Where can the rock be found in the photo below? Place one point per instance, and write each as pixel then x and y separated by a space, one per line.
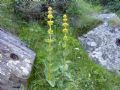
pixel 92 44
pixel 103 44
pixel 16 62
pixel 105 17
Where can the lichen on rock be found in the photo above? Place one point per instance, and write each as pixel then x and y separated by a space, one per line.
pixel 16 62
pixel 102 43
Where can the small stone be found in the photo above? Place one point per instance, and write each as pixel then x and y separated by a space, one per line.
pixel 93 44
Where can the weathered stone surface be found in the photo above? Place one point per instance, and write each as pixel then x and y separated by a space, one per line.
pixel 105 17
pixel 15 62
pixel 103 44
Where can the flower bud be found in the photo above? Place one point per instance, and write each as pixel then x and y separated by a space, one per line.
pixel 50 16
pixel 50 23
pixel 65 30
pixel 50 9
pixel 50 31
pixel 65 20
pixel 49 12
pixel 65 16
pixel 65 24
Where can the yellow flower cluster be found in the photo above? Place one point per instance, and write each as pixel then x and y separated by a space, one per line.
pixel 50 22
pixel 65 25
pixel 50 40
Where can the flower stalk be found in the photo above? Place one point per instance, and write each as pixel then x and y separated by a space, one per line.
pixel 50 41
pixel 65 37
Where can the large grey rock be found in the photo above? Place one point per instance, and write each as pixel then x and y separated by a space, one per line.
pixel 16 62
pixel 103 44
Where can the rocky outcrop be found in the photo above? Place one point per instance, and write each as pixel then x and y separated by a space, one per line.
pixel 16 61
pixel 103 43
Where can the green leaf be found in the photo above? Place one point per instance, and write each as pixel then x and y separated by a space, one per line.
pixel 51 82
pixel 66 67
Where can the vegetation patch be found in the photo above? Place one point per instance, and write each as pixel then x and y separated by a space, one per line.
pixel 109 5
pixel 114 22
pixel 85 74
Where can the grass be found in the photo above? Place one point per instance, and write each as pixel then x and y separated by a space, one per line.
pixel 114 22
pixel 81 14
pixel 85 73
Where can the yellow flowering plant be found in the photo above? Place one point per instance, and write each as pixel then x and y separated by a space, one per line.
pixel 49 59
pixel 56 66
pixel 64 67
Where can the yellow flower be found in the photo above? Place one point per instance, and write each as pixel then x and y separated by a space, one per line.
pixel 50 31
pixel 65 30
pixel 65 20
pixel 65 24
pixel 49 12
pixel 50 9
pixel 50 23
pixel 50 16
pixel 65 16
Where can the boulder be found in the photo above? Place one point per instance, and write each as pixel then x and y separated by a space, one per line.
pixel 16 62
pixel 103 43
